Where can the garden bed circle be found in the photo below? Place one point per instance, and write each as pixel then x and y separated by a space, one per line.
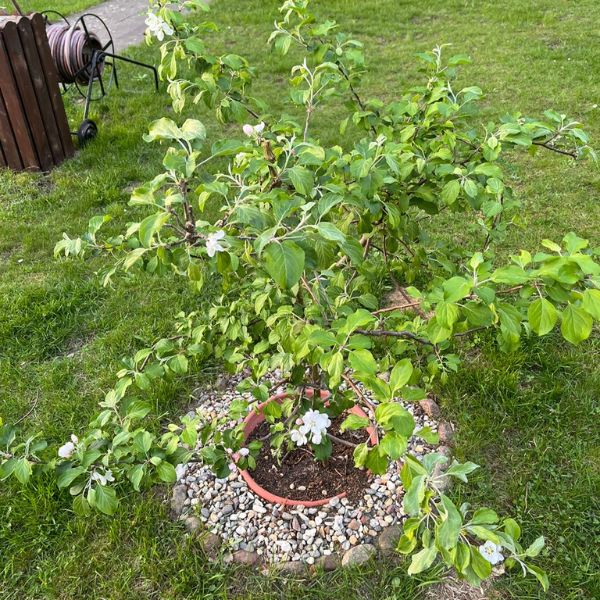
pixel 254 420
pixel 235 524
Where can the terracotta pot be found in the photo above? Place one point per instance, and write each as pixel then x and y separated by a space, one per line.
pixel 253 420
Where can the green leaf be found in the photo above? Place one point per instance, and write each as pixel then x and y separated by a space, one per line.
pixel 422 560
pixel 163 129
pixel 447 314
pixel 136 474
pixel 539 574
pixel 353 250
pixel 66 477
pixel 392 415
pixel 536 547
pixel 456 288
pixel 488 169
pixel 377 462
pixel 574 243
pixel 22 470
pixel 470 188
pixel 428 435
pixel 103 499
pixel 81 506
pixel 362 362
pixel 193 129
pixel 356 320
pixel 591 303
pixel 394 445
pixel 401 374
pixel 133 257
pixel 150 226
pixel 511 275
pixel 7 468
pixel 414 496
pixel 166 472
pixel 322 338
pixel 302 179
pixel 484 516
pixel 354 422
pixel 576 324
pixel 226 147
pixel 335 369
pixel 360 455
pixel 511 528
pixel 449 530
pixel 450 191
pixel 461 470
pixel 284 262
pixel 330 232
pixel 542 316
pixel 482 568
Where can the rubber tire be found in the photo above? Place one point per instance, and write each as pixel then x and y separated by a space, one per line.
pixel 87 131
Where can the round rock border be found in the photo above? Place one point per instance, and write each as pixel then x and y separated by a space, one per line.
pixel 383 545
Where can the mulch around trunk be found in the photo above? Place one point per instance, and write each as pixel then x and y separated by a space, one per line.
pixel 299 476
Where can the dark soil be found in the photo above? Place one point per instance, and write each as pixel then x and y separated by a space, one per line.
pixel 312 479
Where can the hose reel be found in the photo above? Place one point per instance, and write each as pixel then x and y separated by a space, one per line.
pixel 84 54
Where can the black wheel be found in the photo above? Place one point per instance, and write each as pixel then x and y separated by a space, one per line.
pixel 87 131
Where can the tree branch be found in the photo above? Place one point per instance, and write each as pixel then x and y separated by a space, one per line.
pixel 397 334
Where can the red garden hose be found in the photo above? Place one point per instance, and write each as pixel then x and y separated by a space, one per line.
pixel 72 50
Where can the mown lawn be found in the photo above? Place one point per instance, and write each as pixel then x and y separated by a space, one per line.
pixel 531 420
pixel 65 7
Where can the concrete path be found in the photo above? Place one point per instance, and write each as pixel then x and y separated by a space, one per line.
pixel 124 18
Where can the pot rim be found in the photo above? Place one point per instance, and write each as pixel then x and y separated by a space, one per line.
pixel 254 419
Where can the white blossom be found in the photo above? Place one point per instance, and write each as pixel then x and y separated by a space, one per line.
pixel 313 426
pixel 66 450
pixel 232 467
pixel 316 421
pixel 244 452
pixel 103 478
pixel 491 552
pixel 298 437
pixel 253 131
pixel 212 243
pixel 158 27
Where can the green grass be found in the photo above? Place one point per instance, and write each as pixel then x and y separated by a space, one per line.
pixel 66 7
pixel 530 420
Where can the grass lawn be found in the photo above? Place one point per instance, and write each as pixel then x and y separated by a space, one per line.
pixel 66 7
pixel 530 421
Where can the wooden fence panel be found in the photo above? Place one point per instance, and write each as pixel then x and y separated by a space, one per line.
pixel 34 131
pixel 14 108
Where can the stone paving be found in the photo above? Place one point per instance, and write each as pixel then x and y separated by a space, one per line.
pixel 124 18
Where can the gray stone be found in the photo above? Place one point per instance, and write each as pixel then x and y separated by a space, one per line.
pixel 193 524
pixel 388 539
pixel 446 432
pixel 244 557
pixel 358 555
pixel 178 499
pixel 211 544
pixel 443 483
pixel 292 568
pixel 328 563
pixel 430 408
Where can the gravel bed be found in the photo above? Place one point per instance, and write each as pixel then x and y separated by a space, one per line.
pixel 279 534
